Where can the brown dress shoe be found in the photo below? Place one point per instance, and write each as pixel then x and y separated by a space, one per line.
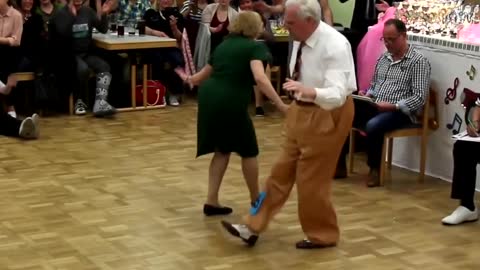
pixel 341 171
pixel 373 178
pixel 306 244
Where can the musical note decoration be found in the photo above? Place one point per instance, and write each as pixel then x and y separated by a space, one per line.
pixel 471 73
pixel 451 93
pixel 456 124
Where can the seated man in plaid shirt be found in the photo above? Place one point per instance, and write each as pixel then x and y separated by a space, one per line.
pixel 399 89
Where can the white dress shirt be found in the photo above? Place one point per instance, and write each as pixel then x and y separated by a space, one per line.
pixel 327 66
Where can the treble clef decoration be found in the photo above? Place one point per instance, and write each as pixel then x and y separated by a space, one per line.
pixel 451 93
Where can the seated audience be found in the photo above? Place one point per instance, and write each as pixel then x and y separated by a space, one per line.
pixel 218 16
pixel 465 161
pixel 192 12
pixel 132 10
pixel 31 48
pixel 267 36
pixel 167 21
pixel 11 27
pixel 276 8
pixel 46 10
pixel 399 88
pixel 71 31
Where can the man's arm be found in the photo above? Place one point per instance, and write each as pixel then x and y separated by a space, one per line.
pixel 326 12
pixel 420 86
pixel 339 80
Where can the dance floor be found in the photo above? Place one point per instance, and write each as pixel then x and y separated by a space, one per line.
pixel 128 194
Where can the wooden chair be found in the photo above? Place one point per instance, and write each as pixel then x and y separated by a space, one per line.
pixel 25 76
pixel 30 76
pixel 427 125
pixel 276 72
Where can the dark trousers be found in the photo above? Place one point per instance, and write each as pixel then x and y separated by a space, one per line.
pixel 174 58
pixel 465 160
pixel 375 124
pixel 9 64
pixel 9 126
pixel 85 63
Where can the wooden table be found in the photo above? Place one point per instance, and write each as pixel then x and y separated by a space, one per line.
pixel 281 37
pixel 112 42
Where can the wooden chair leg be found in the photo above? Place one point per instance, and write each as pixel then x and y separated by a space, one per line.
pixel 278 78
pixel 70 104
pixel 382 161
pixel 351 151
pixel 390 151
pixel 423 158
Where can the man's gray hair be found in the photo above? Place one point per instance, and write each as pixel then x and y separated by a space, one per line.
pixel 307 8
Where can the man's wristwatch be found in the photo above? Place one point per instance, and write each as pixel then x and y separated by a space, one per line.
pixel 397 107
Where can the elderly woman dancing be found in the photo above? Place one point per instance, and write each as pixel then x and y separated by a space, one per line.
pixel 224 125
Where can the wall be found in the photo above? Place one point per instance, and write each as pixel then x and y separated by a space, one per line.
pixel 447 64
pixel 342 12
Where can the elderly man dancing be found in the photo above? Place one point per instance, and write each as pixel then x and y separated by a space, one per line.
pixel 317 124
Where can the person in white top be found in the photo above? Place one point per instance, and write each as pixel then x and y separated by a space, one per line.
pixel 317 124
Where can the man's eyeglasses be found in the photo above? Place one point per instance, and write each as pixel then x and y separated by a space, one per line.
pixel 389 40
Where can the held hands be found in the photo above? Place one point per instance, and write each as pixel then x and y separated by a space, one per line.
pixel 299 90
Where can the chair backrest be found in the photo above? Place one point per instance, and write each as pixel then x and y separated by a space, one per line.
pixel 429 116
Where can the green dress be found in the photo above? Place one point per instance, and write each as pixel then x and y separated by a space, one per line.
pixel 223 123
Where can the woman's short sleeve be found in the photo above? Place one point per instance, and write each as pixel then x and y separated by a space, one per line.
pixel 261 52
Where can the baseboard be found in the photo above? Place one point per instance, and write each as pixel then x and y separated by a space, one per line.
pixel 426 173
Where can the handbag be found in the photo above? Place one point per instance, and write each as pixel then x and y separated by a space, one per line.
pixel 156 92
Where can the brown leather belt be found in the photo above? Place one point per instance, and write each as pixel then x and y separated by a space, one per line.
pixel 303 103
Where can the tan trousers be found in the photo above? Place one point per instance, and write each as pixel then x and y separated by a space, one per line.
pixel 314 140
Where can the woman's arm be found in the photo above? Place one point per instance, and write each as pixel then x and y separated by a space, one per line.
pixel 200 76
pixel 265 85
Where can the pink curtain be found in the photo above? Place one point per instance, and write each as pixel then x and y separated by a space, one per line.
pixel 470 34
pixel 369 50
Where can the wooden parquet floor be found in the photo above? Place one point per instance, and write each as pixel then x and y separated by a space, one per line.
pixel 128 194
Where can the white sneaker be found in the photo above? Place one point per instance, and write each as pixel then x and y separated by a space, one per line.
pixel 12 114
pixel 241 231
pixel 173 101
pixel 461 215
pixel 36 122
pixel 80 107
pixel 27 129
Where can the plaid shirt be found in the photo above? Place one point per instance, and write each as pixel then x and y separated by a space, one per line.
pixel 132 11
pixel 405 82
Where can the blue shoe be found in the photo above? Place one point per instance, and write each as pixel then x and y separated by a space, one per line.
pixel 258 203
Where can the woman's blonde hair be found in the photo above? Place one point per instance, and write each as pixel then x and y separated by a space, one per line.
pixel 248 24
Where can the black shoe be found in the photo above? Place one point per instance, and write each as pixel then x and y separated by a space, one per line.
pixel 341 171
pixel 210 210
pixel 259 111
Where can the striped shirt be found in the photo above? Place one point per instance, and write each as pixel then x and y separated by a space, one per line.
pixel 405 82
pixel 196 16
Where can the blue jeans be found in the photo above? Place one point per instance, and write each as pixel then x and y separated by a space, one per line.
pixel 376 128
